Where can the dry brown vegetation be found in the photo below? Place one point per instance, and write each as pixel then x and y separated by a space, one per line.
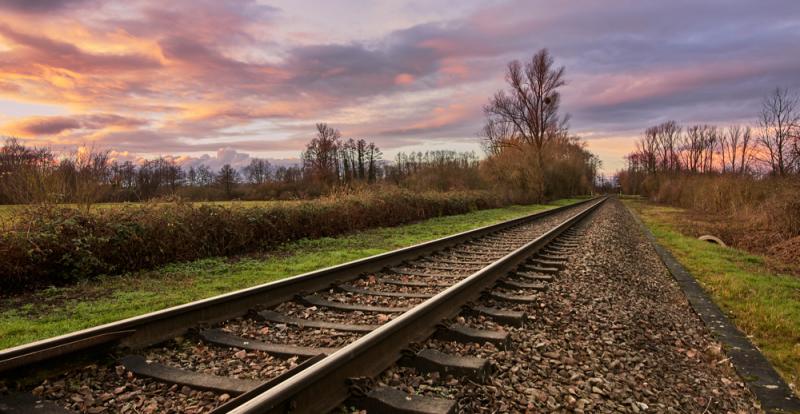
pixel 532 155
pixel 740 183
pixel 54 245
pixel 758 215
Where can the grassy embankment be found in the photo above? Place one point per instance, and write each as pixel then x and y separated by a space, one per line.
pixel 57 311
pixel 763 304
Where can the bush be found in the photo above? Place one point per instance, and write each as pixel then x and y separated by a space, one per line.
pixel 55 245
pixel 749 212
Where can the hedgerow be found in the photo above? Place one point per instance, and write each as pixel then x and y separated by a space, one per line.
pixel 52 245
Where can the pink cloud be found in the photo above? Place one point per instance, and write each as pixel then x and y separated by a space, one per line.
pixel 404 79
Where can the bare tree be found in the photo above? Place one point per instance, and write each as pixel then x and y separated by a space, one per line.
pixel 528 111
pixel 320 159
pixel 745 156
pixel 373 154
pixel 24 173
pixel 258 171
pixel 648 148
pixel 697 150
pixel 227 178
pixel 734 146
pixel 92 173
pixel 668 138
pixel 778 123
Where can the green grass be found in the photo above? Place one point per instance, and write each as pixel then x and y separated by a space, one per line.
pixel 57 311
pixel 763 304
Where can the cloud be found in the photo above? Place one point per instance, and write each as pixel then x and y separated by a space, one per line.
pixel 43 126
pixel 39 6
pixel 54 125
pixel 150 77
pixel 230 156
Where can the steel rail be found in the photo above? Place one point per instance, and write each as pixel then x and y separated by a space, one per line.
pixel 154 327
pixel 324 385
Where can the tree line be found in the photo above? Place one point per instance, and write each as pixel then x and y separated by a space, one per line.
pixel 34 175
pixel 770 148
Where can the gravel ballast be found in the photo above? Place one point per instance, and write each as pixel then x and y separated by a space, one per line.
pixel 612 333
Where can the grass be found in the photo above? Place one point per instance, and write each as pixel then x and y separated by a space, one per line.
pixel 763 304
pixel 57 311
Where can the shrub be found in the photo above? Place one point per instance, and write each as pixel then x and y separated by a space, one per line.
pixel 751 213
pixel 55 245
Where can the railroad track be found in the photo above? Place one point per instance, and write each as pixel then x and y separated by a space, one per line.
pixel 306 343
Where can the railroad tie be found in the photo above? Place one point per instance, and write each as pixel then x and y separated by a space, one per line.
pixel 413 283
pixel 548 263
pixel 420 273
pixel 220 337
pixel 539 269
pixel 458 262
pixel 563 245
pixel 534 276
pixel 435 266
pixel 264 386
pixel 503 316
pixel 352 289
pixel 430 360
pixel 513 298
pixel 465 334
pixel 276 317
pixel 388 400
pixel 314 300
pixel 140 366
pixel 557 258
pixel 513 284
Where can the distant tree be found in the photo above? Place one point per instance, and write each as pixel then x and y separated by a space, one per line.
pixel 227 178
pixel 744 154
pixel 258 171
pixel 321 157
pixel 361 157
pixel 288 175
pixel 24 172
pixel 205 177
pixel 92 172
pixel 668 136
pixel 734 146
pixel 778 124
pixel 123 175
pixel 373 155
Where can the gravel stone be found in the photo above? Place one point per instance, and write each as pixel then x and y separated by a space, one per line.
pixel 613 333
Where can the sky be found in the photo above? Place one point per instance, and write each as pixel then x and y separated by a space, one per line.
pixel 223 81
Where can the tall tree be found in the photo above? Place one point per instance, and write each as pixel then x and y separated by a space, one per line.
pixel 528 111
pixel 778 123
pixel 258 171
pixel 227 178
pixel 320 159
pixel 373 155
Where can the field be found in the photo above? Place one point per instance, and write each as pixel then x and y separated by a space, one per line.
pixel 762 301
pixel 55 311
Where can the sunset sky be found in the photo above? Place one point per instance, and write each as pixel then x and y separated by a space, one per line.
pixel 223 81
